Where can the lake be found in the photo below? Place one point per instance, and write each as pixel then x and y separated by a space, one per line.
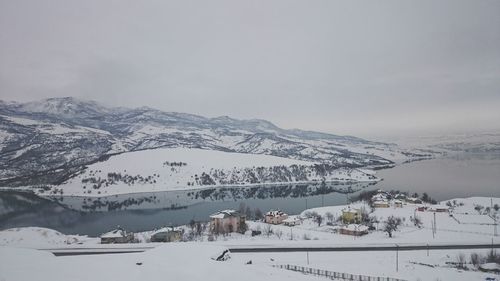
pixel 457 175
pixel 451 176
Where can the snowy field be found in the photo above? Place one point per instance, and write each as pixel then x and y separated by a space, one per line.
pixel 413 265
pixel 159 170
pixel 167 262
pixel 193 261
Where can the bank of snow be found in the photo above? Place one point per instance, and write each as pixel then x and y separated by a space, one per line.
pixel 187 168
pixel 39 237
pixel 167 262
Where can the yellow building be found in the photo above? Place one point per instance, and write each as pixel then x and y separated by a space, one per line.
pixel 351 215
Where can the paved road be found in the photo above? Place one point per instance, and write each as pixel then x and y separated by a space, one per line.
pixel 96 251
pixel 390 247
pixel 274 249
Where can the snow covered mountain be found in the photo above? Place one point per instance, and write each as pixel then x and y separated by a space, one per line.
pixel 51 141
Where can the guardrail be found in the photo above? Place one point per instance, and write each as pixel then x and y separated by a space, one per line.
pixel 334 274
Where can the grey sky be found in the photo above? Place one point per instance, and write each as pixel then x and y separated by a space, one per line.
pixel 368 68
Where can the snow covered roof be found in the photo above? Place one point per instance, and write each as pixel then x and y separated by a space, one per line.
pixel 225 214
pixel 292 219
pixel 443 207
pixel 379 196
pixel 355 227
pixel 277 213
pixel 166 229
pixel 117 233
pixel 349 210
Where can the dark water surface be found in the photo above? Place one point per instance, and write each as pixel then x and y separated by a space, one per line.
pixel 146 211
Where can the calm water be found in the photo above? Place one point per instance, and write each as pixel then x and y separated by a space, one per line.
pixel 448 177
pixel 146 211
pixel 452 176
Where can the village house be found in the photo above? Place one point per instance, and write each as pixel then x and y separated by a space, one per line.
pixel 381 196
pixel 292 221
pixel 398 204
pixel 354 229
pixel 167 234
pixel 421 208
pixel 414 200
pixel 351 215
pixel 439 208
pixel 119 235
pixel 275 217
pixel 227 221
pixel 381 204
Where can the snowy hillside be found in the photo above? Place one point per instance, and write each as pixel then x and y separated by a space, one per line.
pixel 50 141
pixel 184 168
pixel 38 237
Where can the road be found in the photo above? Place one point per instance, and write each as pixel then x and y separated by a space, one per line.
pixel 389 247
pixel 275 249
pixel 96 251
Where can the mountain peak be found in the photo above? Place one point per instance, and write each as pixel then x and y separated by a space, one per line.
pixel 65 106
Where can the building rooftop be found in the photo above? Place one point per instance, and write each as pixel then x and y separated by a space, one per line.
pixel 225 214
pixel 117 233
pixel 355 227
pixel 277 213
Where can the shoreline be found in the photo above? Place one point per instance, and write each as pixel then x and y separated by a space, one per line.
pixel 201 188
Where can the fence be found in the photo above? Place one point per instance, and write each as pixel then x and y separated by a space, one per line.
pixel 334 274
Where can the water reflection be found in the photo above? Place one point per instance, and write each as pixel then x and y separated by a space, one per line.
pixel 144 211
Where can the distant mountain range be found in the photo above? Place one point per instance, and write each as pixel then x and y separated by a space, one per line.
pixel 51 141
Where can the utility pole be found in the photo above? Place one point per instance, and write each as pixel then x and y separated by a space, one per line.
pixel 306 203
pixel 397 257
pixel 495 231
pixel 322 200
pixel 291 233
pixel 435 224
pixel 307 257
pixel 432 227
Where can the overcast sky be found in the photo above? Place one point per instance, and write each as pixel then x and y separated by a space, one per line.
pixel 368 69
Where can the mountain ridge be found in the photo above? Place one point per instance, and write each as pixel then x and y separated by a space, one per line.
pixel 51 140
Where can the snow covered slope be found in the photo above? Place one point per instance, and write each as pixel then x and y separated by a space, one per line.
pixel 52 140
pixel 189 168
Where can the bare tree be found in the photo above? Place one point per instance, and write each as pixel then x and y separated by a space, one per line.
pixel 475 259
pixel 267 230
pixel 248 213
pixel 318 219
pixel 461 261
pixel 329 217
pixel 278 233
pixel 391 224
pixel 417 221
pixel 478 208
pixel 492 256
pixel 258 214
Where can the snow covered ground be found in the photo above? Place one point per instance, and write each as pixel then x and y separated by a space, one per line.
pixel 167 262
pixel 186 168
pixel 192 260
pixel 38 237
pixel 413 265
